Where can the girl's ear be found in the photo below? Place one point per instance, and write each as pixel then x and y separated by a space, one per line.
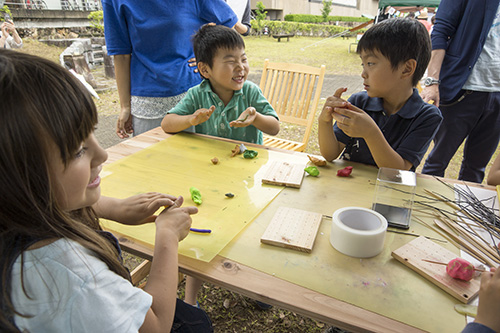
pixel 204 69
pixel 408 68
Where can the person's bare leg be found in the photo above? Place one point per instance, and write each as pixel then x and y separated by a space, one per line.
pixel 193 285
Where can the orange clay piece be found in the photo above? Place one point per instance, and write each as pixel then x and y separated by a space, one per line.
pixel 215 160
pixel 235 151
pixel 461 269
pixel 316 161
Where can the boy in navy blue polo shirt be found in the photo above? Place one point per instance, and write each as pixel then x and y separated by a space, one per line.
pixel 388 124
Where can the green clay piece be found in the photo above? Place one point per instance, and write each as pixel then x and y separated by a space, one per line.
pixel 466 309
pixel 250 153
pixel 312 170
pixel 195 195
pixel 242 120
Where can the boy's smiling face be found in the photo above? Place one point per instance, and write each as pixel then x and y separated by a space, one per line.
pixel 379 77
pixel 228 72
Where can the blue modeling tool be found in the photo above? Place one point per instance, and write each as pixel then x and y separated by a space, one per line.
pixel 201 231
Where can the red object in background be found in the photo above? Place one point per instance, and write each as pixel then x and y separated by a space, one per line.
pixel 345 172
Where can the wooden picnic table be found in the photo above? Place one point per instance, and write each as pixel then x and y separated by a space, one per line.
pixel 377 294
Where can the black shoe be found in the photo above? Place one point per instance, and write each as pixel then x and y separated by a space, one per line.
pixel 263 306
pixel 333 329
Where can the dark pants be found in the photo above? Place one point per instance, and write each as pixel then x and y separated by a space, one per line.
pixel 476 119
pixel 190 319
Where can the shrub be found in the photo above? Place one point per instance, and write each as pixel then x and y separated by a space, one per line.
pixel 260 17
pixel 308 18
pixel 97 20
pixel 327 8
pixel 4 10
pixel 301 29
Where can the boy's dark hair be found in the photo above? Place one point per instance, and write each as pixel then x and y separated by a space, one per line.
pixel 211 38
pixel 399 40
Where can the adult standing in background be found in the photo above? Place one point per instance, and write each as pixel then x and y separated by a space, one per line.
pixel 242 9
pixel 433 21
pixel 151 44
pixel 423 18
pixel 464 81
pixel 7 40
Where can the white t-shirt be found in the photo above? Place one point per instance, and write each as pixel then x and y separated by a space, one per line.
pixel 71 290
pixel 485 75
pixel 10 43
pixel 238 7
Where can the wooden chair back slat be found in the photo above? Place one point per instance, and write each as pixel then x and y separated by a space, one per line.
pixel 294 91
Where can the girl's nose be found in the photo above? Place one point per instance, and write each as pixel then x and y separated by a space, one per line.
pixel 100 155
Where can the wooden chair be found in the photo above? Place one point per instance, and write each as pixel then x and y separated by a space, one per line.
pixel 294 91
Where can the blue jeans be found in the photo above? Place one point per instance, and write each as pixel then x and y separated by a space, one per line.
pixel 474 118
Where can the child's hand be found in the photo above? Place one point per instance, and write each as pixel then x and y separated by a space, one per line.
pixel 331 103
pixel 176 219
pixel 354 122
pixel 137 209
pixel 201 115
pixel 489 300
pixel 245 119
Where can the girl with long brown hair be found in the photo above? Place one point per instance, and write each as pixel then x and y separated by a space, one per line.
pixel 59 270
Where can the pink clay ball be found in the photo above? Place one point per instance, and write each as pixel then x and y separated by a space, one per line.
pixel 461 269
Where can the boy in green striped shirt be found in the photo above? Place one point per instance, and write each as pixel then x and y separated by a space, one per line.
pixel 225 104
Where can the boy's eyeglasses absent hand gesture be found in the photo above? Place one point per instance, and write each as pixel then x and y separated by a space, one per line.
pixel 352 120
pixel 201 115
pixel 245 119
pixel 332 102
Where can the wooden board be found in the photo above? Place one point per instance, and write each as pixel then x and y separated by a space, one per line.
pixel 293 228
pixel 284 174
pixel 412 254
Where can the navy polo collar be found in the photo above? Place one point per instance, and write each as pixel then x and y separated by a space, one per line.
pixel 409 110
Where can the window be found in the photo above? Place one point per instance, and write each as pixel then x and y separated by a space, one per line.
pixel 348 3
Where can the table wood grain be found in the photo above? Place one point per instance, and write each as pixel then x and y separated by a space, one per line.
pixel 255 284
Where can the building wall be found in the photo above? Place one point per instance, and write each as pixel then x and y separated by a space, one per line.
pixel 277 9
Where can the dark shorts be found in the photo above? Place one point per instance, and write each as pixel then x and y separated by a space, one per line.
pixel 190 319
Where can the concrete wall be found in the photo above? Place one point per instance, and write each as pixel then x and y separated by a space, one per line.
pixel 277 9
pixel 29 19
pixel 54 4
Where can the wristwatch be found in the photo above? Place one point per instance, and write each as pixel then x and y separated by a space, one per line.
pixel 429 81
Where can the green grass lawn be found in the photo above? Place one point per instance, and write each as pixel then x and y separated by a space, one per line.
pixel 331 52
